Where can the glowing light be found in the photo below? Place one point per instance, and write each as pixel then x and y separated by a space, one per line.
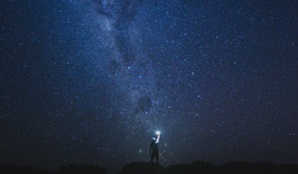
pixel 157 132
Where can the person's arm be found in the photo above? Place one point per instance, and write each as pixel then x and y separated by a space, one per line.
pixel 157 140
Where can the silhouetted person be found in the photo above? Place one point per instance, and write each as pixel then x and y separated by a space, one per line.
pixel 154 148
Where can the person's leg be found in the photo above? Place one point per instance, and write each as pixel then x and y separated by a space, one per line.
pixel 157 158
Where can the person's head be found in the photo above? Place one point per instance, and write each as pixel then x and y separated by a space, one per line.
pixel 153 139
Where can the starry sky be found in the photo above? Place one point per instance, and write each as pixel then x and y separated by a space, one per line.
pixel 90 81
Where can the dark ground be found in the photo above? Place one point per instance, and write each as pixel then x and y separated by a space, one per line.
pixel 198 167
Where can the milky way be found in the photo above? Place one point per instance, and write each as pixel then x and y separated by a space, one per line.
pixel 128 65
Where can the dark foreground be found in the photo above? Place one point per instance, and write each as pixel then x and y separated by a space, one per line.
pixel 198 167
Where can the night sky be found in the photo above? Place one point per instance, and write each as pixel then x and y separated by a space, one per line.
pixel 90 81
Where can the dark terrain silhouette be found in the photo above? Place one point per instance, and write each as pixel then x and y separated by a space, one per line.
pixel 81 169
pixel 202 167
pixel 197 167
pixel 12 169
pixel 64 169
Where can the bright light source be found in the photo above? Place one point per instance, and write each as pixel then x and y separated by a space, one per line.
pixel 157 132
